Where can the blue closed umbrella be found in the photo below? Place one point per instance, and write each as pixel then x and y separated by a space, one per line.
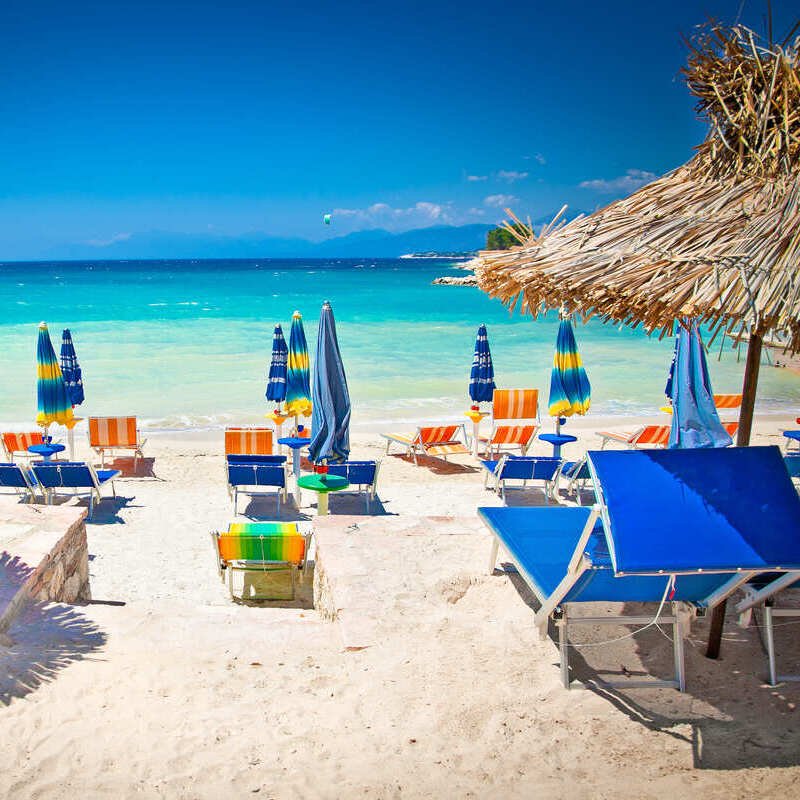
pixel 276 380
pixel 481 376
pixel 695 421
pixel 330 419
pixel 70 369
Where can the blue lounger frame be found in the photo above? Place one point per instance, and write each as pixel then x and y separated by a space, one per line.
pixel 250 478
pixel 710 539
pixel 522 468
pixel 80 478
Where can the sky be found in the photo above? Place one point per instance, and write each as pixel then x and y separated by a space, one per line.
pixel 240 117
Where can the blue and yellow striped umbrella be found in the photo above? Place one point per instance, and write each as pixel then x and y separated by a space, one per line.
pixel 298 388
pixel 53 402
pixel 570 392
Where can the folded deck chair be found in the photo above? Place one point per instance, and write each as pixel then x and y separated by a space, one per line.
pixel 252 479
pixel 522 468
pixel 691 529
pixel 577 475
pixel 515 421
pixel 16 444
pixel 361 475
pixel 80 478
pixel 433 440
pixel 18 478
pixel 646 436
pixel 248 441
pixel 107 434
pixel 251 548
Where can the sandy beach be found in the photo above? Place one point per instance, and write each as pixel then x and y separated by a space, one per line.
pixel 163 687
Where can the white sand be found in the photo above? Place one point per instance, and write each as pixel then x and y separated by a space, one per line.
pixel 180 693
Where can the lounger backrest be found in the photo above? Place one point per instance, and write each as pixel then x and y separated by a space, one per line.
pixel 732 428
pixel 236 458
pixel 728 400
pixel 257 475
pixel 360 473
pixel 248 441
pixel 71 476
pixel 792 462
pixel 437 433
pixel 654 435
pixel 112 432
pixel 515 404
pixel 539 468
pixel 262 541
pixel 20 442
pixel 11 476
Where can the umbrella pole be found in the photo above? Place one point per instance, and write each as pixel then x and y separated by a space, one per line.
pixel 749 387
pixel 71 442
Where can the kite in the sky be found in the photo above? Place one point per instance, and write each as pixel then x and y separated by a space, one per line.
pixel 327 219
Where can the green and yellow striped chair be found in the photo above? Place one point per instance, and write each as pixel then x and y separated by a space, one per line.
pixel 264 556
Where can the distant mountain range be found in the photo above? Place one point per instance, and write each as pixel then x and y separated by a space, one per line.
pixel 375 243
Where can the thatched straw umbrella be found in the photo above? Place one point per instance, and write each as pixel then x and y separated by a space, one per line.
pixel 717 239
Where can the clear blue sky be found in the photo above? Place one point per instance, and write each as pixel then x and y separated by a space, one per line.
pixel 234 117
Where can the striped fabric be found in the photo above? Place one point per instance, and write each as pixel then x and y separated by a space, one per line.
pixel 298 380
pixel 113 432
pixel 728 400
pixel 437 434
pixel 248 441
pixel 732 428
pixel 446 449
pixel 570 392
pixel 515 404
pixel 653 435
pixel 52 401
pixel 262 541
pixel 20 442
pixel 513 434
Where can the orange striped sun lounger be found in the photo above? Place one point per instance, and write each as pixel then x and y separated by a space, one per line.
pixel 647 436
pixel 107 434
pixel 17 444
pixel 433 440
pixel 248 441
pixel 517 405
pixel 727 401
pixel 247 550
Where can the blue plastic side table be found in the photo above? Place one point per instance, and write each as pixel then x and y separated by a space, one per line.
pixel 557 439
pixel 46 451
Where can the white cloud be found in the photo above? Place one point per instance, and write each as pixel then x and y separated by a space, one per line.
pixel 117 237
pixel 474 178
pixel 511 175
pixel 476 212
pixel 384 215
pixel 500 200
pixel 538 158
pixel 629 182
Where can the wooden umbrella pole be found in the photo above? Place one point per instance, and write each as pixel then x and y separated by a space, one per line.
pixel 749 387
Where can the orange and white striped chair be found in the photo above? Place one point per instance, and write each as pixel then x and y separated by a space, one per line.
pixel 107 434
pixel 17 444
pixel 248 441
pixel 725 401
pixel 646 436
pixel 516 405
pixel 433 440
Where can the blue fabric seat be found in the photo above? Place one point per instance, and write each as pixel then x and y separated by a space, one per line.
pixel 75 476
pixel 363 475
pixel 251 478
pixel 20 479
pixel 692 528
pixel 522 468
pixel 577 475
pixel 233 458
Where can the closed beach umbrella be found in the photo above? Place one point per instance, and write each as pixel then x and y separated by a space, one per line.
pixel 695 421
pixel 481 376
pixel 53 403
pixel 330 422
pixel 298 391
pixel 570 391
pixel 276 380
pixel 71 370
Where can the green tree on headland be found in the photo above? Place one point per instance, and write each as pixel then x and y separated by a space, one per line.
pixel 501 239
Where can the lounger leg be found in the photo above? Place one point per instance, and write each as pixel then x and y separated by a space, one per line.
pixel 235 502
pixel 91 505
pixel 563 648
pixel 278 498
pixel 677 645
pixel 770 635
pixel 493 554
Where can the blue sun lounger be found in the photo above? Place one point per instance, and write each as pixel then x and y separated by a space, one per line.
pixel 670 527
pixel 81 478
pixel 20 479
pixel 251 478
pixel 522 468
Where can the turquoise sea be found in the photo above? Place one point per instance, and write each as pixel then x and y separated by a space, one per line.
pixel 187 343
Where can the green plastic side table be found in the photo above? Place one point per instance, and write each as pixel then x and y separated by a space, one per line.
pixel 322 485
